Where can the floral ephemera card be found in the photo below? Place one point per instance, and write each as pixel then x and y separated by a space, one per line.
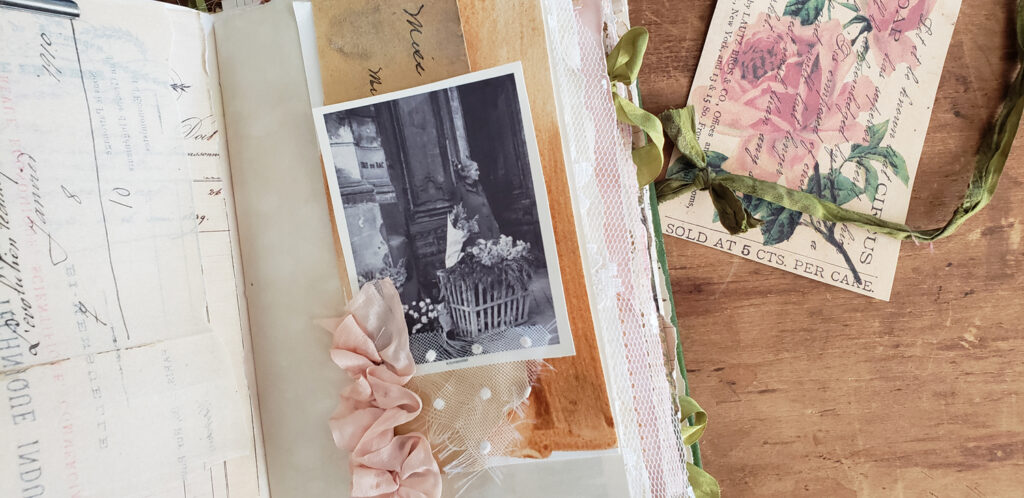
pixel 827 97
pixel 440 188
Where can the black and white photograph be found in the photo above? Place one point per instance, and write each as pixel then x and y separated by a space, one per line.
pixel 440 188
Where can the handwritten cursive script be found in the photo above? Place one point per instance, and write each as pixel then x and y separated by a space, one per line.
pixel 375 80
pixel 199 129
pixel 47 56
pixel 417 29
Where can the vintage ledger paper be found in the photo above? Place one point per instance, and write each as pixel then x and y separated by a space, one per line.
pixel 119 296
pixel 831 98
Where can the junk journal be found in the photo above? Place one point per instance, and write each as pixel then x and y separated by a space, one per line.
pixel 168 241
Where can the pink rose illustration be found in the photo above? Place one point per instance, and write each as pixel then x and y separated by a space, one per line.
pixel 781 88
pixel 893 24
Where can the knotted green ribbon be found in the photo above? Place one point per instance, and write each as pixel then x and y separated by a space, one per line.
pixel 624 63
pixel 704 486
pixel 693 173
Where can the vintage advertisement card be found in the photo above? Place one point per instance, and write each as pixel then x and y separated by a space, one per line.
pixel 831 98
pixel 440 188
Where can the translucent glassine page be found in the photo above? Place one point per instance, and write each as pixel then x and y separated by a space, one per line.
pixel 99 242
pixel 594 474
pixel 194 81
pixel 288 253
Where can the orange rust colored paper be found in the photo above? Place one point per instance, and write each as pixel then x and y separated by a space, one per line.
pixel 570 405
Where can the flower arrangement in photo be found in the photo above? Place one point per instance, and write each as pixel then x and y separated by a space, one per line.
pixel 423 316
pixel 397 273
pixel 501 259
pixel 461 220
pixel 460 228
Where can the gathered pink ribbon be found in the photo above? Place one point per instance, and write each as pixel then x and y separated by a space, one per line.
pixel 372 345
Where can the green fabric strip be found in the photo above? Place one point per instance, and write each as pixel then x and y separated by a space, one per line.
pixel 659 243
pixel 704 486
pixel 690 408
pixel 691 172
pixel 624 63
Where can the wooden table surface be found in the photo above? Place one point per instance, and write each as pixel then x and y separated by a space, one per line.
pixel 815 391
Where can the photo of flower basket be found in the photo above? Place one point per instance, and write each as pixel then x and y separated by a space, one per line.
pixel 488 288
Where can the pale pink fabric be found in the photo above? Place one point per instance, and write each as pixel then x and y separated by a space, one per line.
pixel 372 345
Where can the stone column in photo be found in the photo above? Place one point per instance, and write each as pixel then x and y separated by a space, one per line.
pixel 359 200
pixel 373 169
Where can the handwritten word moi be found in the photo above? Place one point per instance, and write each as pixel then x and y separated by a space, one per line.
pixel 417 29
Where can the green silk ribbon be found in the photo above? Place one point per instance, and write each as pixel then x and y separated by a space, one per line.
pixel 624 63
pixel 704 486
pixel 693 173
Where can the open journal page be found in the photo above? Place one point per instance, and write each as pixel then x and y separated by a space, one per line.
pixel 114 384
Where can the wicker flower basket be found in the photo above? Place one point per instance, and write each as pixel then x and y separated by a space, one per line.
pixel 481 305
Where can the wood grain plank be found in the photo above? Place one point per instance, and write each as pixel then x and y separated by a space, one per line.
pixel 813 391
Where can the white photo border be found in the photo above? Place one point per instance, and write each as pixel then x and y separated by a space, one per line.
pixel 565 346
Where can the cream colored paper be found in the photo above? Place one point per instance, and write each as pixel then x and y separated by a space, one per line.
pixel 783 85
pixel 98 230
pixel 120 423
pixel 120 417
pixel 291 273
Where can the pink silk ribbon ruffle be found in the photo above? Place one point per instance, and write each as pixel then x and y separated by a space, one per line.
pixel 372 345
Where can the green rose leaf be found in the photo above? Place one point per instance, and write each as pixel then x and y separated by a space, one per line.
pixel 885 155
pixel 860 18
pixel 757 206
pixel 897 164
pixel 876 133
pixel 716 160
pixel 870 178
pixel 845 190
pixel 807 10
pixel 779 225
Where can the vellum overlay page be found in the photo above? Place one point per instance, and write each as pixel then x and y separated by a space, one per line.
pixel 440 188
pixel 831 98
